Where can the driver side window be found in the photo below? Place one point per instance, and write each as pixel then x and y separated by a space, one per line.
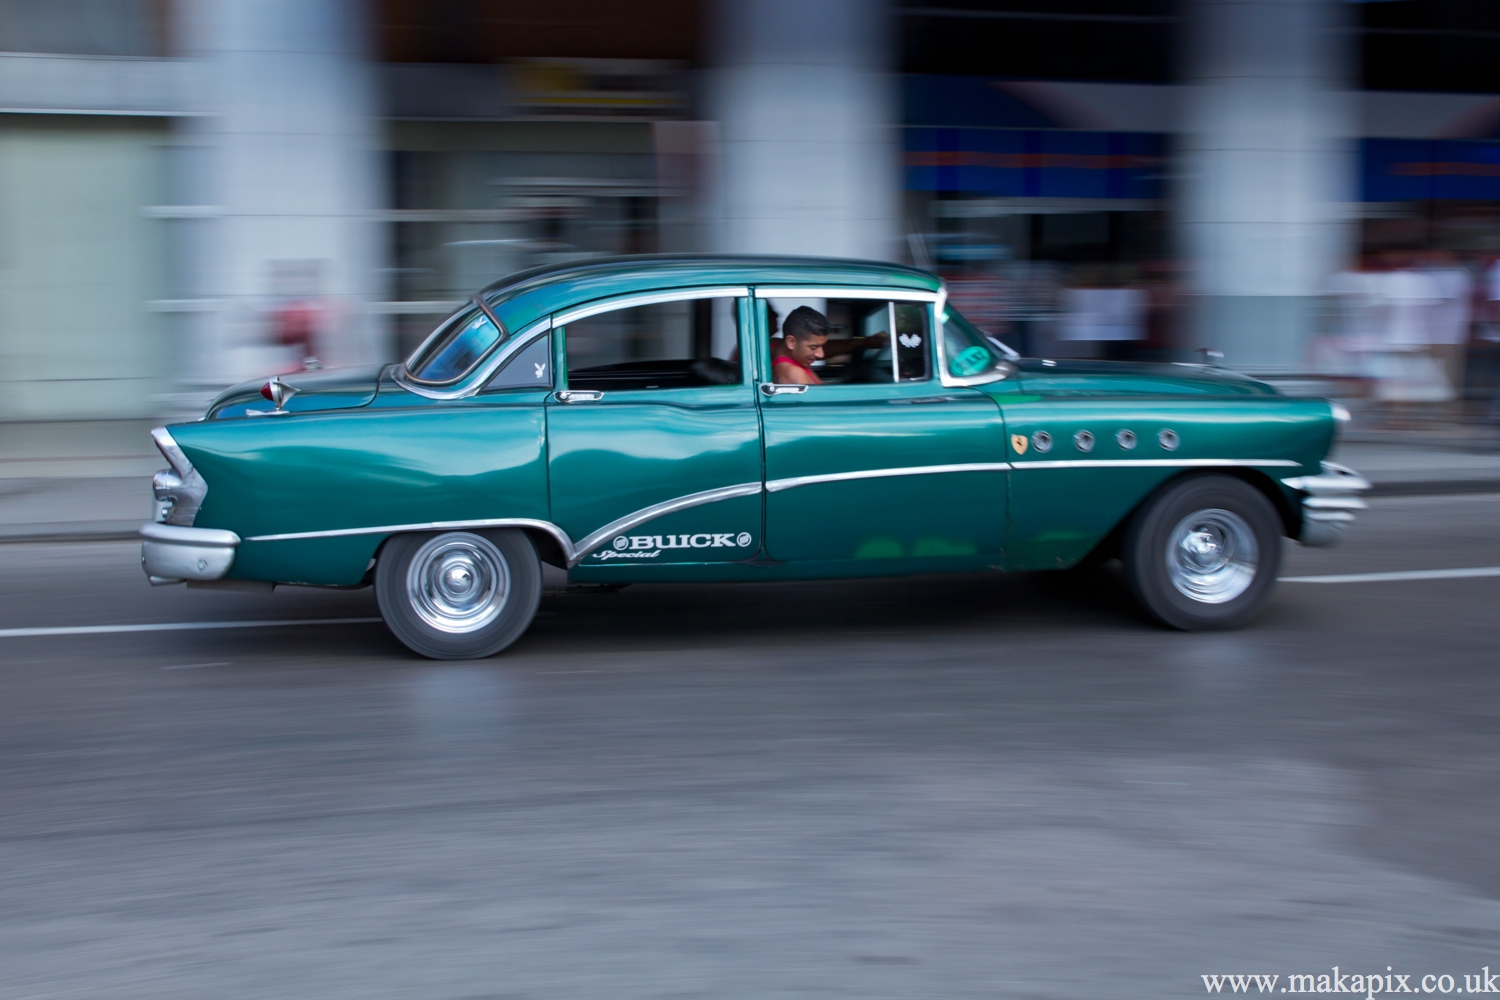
pixel 869 340
pixel 664 345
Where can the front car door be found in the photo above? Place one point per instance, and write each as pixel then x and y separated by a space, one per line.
pixel 890 466
pixel 653 437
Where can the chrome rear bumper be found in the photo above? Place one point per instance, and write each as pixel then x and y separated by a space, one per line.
pixel 173 554
pixel 1328 503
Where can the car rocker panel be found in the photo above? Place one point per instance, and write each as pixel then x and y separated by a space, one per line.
pixel 619 419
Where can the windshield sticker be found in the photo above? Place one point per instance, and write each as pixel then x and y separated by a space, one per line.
pixel 651 546
pixel 970 361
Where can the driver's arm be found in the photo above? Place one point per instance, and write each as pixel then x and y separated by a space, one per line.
pixel 849 346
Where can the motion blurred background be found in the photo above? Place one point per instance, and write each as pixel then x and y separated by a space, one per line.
pixel 195 192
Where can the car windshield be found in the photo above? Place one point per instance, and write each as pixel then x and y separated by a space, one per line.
pixel 456 350
pixel 967 350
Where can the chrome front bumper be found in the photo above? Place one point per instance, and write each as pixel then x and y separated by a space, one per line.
pixel 173 554
pixel 1328 503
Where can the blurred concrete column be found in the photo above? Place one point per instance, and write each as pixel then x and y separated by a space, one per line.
pixel 288 166
pixel 1268 172
pixel 808 106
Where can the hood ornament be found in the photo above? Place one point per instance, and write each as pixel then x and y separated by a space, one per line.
pixel 278 392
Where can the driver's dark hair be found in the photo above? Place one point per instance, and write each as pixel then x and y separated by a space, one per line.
pixel 804 322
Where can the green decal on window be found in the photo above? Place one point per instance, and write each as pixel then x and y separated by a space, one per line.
pixel 971 361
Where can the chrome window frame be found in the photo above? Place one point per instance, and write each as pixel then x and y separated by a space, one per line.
pixel 489 314
pixel 472 383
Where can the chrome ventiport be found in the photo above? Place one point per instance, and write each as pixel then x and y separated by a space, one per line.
pixel 1328 503
pixel 1084 441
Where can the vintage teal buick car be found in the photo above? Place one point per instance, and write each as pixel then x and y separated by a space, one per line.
pixel 619 419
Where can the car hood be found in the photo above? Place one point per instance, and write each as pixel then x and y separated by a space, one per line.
pixel 1109 378
pixel 330 389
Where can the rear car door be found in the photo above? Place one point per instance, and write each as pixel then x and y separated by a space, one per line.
pixel 654 448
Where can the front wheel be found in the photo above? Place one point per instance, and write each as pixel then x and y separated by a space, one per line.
pixel 1204 553
pixel 458 595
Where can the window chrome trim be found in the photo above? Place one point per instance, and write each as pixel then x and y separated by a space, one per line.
pixel 427 340
pixel 476 380
pixel 604 534
pixel 489 314
pixel 777 485
pixel 645 299
pixel 1164 463
pixel 823 292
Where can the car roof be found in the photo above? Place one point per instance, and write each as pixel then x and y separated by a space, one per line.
pixel 526 296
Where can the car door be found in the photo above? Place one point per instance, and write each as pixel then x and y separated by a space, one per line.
pixel 884 466
pixel 654 453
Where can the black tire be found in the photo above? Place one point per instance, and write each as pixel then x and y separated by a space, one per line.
pixel 458 595
pixel 1204 553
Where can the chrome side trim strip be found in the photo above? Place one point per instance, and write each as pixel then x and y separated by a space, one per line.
pixel 646 299
pixel 391 529
pixel 572 553
pixel 894 294
pixel 777 485
pixel 604 534
pixel 1165 463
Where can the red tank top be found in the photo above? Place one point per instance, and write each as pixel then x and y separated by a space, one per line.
pixel 787 359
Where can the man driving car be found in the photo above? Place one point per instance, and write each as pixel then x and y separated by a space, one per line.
pixel 804 339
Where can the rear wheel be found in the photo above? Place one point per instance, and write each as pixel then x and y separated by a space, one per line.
pixel 1204 553
pixel 458 595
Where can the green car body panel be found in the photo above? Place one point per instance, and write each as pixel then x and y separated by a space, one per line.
pixel 1030 469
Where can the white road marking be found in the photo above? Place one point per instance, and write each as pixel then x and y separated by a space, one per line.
pixel 17 633
pixel 1413 574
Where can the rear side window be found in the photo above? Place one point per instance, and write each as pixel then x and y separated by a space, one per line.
pixel 664 345
pixel 456 350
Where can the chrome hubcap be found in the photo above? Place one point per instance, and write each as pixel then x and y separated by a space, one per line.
pixel 458 582
pixel 1212 556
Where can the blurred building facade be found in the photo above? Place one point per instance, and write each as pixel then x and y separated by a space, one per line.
pixel 198 191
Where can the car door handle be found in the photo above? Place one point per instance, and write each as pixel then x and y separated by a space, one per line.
pixel 777 388
pixel 579 396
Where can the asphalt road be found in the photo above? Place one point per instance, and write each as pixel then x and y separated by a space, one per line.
pixel 956 787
